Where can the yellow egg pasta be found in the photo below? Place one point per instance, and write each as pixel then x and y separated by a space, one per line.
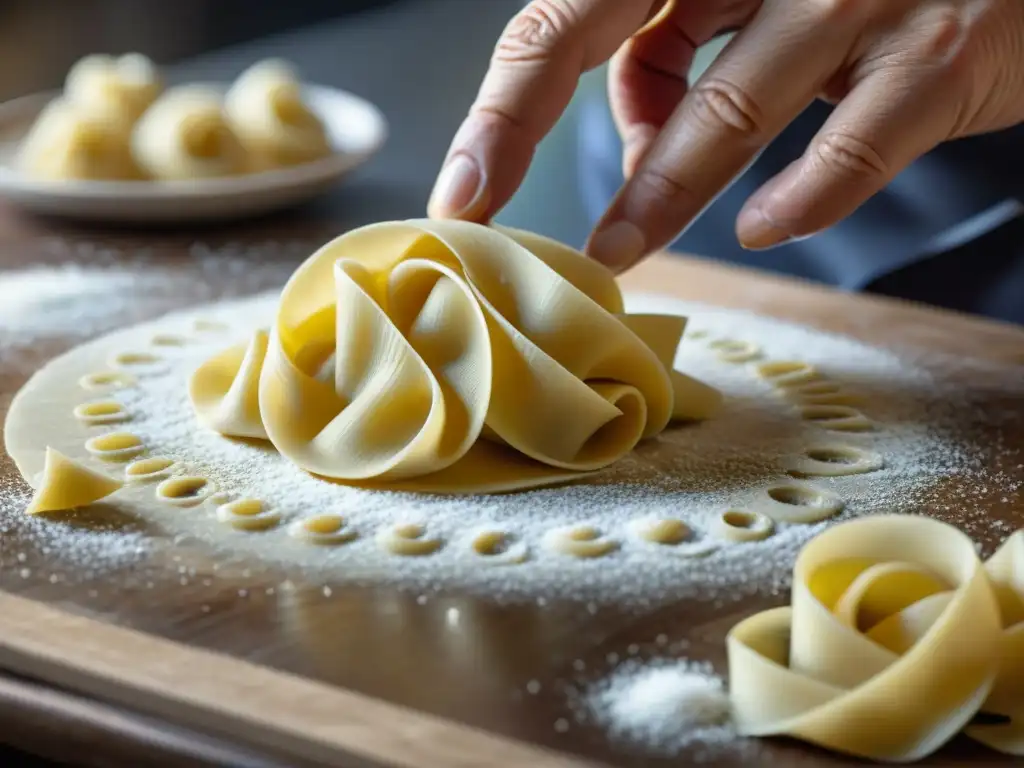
pixel 897 636
pixel 451 357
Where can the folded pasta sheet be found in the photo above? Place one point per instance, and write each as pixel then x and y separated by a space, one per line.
pixel 451 357
pixel 898 637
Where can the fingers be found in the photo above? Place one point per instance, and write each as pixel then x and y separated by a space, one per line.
pixel 534 71
pixel 897 112
pixel 767 75
pixel 647 77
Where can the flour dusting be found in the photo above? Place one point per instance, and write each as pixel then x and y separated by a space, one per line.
pixel 936 460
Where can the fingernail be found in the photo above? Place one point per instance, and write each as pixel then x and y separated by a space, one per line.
pixel 757 232
pixel 459 189
pixel 617 246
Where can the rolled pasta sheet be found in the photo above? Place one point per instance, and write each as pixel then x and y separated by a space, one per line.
pixel 452 357
pixel 118 87
pixel 890 647
pixel 268 111
pixel 186 135
pixel 68 143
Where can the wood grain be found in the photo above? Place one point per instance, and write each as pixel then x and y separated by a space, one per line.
pixel 348 685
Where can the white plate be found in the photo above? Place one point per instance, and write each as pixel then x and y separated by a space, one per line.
pixel 357 129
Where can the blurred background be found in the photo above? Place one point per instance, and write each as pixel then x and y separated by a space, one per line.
pixel 40 39
pixel 420 61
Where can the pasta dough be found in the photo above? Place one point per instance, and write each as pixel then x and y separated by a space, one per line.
pixel 68 143
pixel 66 484
pixel 117 88
pixel 185 135
pixel 451 357
pixel 267 111
pixel 893 620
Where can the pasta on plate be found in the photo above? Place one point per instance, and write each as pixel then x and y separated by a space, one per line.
pixel 451 357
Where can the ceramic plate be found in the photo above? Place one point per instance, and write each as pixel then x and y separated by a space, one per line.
pixel 357 130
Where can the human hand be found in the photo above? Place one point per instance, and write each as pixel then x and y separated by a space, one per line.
pixel 906 75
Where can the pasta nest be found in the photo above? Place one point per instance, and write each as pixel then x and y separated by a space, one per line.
pixel 897 638
pixel 450 356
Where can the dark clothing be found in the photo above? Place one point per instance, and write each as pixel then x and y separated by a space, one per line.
pixel 947 231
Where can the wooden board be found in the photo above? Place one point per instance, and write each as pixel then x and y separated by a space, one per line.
pixel 201 660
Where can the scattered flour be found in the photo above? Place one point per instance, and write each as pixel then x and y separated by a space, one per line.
pixel 942 440
pixel 661 706
pixel 75 292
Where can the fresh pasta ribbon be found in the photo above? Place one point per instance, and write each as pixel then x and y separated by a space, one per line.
pixel 451 356
pixel 1006 571
pixel 896 638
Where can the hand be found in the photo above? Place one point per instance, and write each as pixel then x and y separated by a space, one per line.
pixel 906 75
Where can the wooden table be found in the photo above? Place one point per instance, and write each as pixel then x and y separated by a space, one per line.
pixel 234 665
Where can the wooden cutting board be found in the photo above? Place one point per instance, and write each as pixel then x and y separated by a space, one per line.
pixel 141 672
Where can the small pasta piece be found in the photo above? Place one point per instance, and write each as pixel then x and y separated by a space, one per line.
pixel 248 515
pixel 822 392
pixel 149 469
pixel 101 412
pixel 325 529
pixel 834 460
pixel 205 325
pixel 117 88
pixel 168 340
pixel 661 531
pixel 580 541
pixel 184 491
pixel 115 446
pixel 106 381
pixel 136 362
pixel 696 335
pixel 497 547
pixel 408 540
pixel 673 535
pixel 66 484
pixel 838 418
pixel 798 503
pixel 68 142
pixel 787 373
pixel 741 525
pixel 185 135
pixel 735 351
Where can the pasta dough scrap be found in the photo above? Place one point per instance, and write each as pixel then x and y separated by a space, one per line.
pixel 66 484
pixel 268 112
pixel 448 356
pixel 893 620
pixel 186 135
pixel 67 142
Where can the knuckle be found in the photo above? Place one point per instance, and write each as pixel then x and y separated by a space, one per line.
pixel 942 35
pixel 846 155
pixel 840 10
pixel 659 185
pixel 535 32
pixel 719 104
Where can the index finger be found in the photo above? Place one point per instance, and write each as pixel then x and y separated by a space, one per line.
pixel 767 75
pixel 533 74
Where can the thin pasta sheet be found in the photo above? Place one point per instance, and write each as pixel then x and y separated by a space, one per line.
pixel 897 639
pixel 451 357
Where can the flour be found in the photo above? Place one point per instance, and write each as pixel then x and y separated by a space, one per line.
pixel 77 291
pixel 661 707
pixel 693 472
